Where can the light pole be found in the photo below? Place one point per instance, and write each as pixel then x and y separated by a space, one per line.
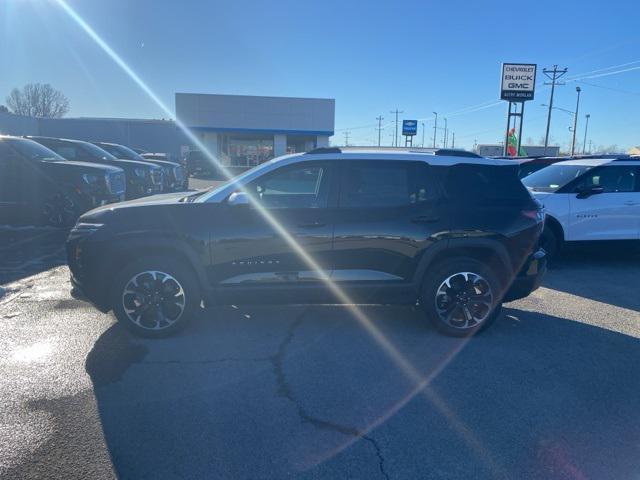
pixel 422 134
pixel 435 129
pixel 575 123
pixel 586 127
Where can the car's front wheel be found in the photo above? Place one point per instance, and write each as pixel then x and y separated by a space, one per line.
pixel 155 296
pixel 60 210
pixel 461 296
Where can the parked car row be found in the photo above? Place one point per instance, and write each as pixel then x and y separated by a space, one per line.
pixel 531 164
pixel 54 180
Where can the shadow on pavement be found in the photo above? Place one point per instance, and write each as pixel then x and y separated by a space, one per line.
pixel 306 393
pixel 26 251
pixel 599 272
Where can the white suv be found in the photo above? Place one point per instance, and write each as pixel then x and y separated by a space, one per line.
pixel 587 200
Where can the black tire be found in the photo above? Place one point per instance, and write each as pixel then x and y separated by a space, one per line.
pixel 158 309
pixel 472 280
pixel 60 210
pixel 550 242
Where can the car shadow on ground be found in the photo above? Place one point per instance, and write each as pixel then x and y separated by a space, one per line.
pixel 306 392
pixel 28 250
pixel 598 272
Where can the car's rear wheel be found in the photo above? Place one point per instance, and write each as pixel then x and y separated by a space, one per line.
pixel 155 297
pixel 461 297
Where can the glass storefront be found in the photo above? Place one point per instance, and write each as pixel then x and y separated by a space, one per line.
pixel 245 150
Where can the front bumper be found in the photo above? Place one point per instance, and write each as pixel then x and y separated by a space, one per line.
pixel 138 190
pixel 529 278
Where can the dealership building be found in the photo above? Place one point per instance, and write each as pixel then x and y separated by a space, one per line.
pixel 240 130
pixel 243 131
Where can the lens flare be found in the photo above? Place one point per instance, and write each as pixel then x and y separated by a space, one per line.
pixel 419 381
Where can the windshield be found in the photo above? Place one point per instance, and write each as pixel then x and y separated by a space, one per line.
pixel 120 151
pixel 33 150
pixel 97 151
pixel 554 177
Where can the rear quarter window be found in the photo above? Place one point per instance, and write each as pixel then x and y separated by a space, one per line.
pixel 485 184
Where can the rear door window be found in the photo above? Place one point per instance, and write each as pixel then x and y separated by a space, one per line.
pixel 374 184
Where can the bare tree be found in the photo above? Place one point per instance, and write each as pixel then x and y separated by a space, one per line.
pixel 3 109
pixel 38 100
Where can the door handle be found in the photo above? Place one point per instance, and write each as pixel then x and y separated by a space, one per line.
pixel 631 202
pixel 311 224
pixel 424 219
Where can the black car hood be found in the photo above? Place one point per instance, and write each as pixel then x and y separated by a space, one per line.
pixel 80 167
pixel 129 164
pixel 153 209
pixel 154 200
pixel 161 163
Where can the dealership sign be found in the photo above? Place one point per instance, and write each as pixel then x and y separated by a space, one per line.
pixel 518 82
pixel 409 127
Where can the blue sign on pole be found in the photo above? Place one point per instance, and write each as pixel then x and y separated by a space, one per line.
pixel 409 127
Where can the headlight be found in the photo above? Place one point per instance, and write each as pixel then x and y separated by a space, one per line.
pixel 84 229
pixel 140 172
pixel 90 179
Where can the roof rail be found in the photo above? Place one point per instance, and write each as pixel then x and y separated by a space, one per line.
pixel 452 152
pixel 324 150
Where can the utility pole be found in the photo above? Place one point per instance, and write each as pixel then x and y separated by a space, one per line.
pixel 379 119
pixel 422 134
pixel 395 138
pixel 446 132
pixel 453 139
pixel 575 123
pixel 586 127
pixel 346 138
pixel 435 129
pixel 589 146
pixel 552 75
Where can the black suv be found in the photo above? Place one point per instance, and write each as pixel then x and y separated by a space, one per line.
pixel 142 178
pixel 175 175
pixel 38 185
pixel 456 232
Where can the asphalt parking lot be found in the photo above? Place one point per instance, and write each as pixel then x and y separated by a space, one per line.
pixel 550 391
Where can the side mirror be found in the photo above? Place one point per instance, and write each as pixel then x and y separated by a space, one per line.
pixel 238 198
pixel 587 192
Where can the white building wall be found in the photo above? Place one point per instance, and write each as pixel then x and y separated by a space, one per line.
pixel 279 145
pixel 290 115
pixel 322 141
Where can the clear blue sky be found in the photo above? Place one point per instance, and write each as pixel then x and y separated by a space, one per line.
pixel 421 56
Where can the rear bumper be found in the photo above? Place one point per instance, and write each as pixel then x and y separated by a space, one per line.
pixel 529 278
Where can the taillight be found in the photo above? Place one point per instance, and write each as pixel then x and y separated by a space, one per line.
pixel 537 214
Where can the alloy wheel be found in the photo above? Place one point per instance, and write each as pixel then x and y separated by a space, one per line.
pixel 464 300
pixel 153 300
pixel 59 210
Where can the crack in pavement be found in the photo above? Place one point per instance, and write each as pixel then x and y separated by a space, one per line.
pixel 285 391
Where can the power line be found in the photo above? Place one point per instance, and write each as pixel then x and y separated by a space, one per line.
pixel 628 92
pixel 552 75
